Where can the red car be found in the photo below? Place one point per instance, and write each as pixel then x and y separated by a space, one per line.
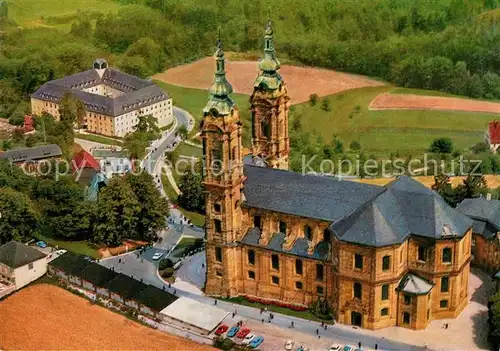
pixel 243 333
pixel 221 330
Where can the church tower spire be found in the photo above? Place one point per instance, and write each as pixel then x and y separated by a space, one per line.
pixel 222 181
pixel 269 106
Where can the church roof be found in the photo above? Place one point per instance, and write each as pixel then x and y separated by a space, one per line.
pixel 485 213
pixel 304 195
pixel 359 213
pixel 413 284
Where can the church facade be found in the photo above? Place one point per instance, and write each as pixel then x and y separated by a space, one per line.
pixel 395 255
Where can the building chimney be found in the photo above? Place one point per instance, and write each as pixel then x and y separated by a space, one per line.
pixel 488 196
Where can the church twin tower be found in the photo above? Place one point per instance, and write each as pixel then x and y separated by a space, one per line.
pixel 221 131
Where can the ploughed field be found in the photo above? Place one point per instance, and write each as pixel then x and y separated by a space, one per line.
pixel 301 81
pixel 46 317
pixel 390 101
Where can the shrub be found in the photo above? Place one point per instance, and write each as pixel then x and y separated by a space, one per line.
pixel 325 104
pixel 167 272
pixel 223 343
pixel 480 147
pixel 355 146
pixel 166 263
pixel 313 99
pixel 442 146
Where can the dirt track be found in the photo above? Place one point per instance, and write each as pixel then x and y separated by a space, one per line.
pixel 301 81
pixel 422 102
pixel 45 317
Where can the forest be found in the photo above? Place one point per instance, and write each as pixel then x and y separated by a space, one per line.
pixel 447 45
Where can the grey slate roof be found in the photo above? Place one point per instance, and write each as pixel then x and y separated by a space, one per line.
pixel 405 207
pixel 69 263
pixel 15 255
pixel 415 285
pixel 125 286
pixel 155 298
pixel 358 213
pixel 32 153
pixel 96 274
pixel 304 195
pixel 485 213
pixel 139 93
pixel 299 247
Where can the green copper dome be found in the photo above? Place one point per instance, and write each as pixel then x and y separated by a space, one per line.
pixel 219 101
pixel 269 78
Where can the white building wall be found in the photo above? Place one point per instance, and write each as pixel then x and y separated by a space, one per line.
pixel 30 272
pixel 104 90
pixel 162 111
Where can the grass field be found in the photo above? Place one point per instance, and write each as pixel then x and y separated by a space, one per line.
pixel 54 13
pixel 196 218
pixel 189 150
pixel 98 139
pixel 382 132
pixel 379 132
pixel 79 247
pixel 194 100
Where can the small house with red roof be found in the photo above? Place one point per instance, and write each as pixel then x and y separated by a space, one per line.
pixel 492 136
pixel 84 166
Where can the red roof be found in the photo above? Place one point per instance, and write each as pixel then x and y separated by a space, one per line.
pixel 84 160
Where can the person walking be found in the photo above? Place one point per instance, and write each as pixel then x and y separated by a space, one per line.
pixel 359 344
pixel 376 346
pixel 291 324
pixel 317 331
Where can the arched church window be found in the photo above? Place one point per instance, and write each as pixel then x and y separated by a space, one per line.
pixel 216 156
pixel 308 232
pixel 266 129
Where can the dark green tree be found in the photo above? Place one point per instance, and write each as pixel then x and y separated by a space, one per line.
pixel 153 209
pixel 19 220
pixel 442 146
pixel 117 212
pixel 192 196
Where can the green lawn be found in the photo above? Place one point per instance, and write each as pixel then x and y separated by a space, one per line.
pixel 55 13
pixel 98 139
pixel 283 310
pixel 196 218
pixel 194 100
pixel 172 195
pixel 189 150
pixel 185 243
pixel 382 132
pixel 79 247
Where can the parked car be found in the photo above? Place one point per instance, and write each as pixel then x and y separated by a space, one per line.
pixel 248 339
pixel 157 256
pixel 232 332
pixel 61 252
pixel 348 348
pixel 41 244
pixel 243 333
pixel 289 344
pixel 256 342
pixel 303 348
pixel 335 347
pixel 221 330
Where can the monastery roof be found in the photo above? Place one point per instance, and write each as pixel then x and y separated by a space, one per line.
pixel 359 213
pixel 485 213
pixel 84 160
pixel 138 93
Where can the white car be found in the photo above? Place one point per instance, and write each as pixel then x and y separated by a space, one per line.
pixel 61 252
pixel 157 256
pixel 248 339
pixel 335 347
pixel 289 344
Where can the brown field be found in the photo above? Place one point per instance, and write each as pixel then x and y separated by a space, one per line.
pixel 301 81
pixel 45 317
pixel 389 101
pixel 492 180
